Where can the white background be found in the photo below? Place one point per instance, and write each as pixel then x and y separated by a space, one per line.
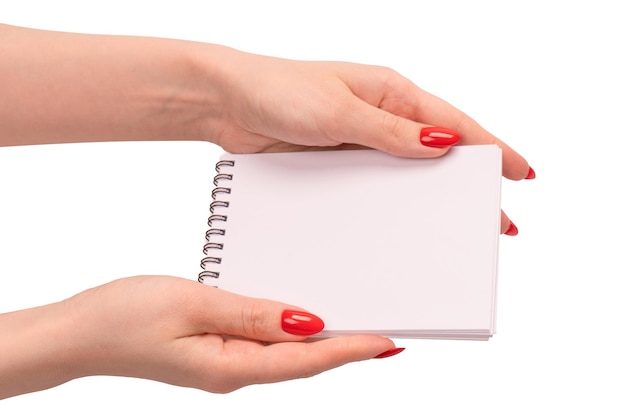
pixel 545 76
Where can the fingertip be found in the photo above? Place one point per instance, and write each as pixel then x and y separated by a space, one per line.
pixel 514 166
pixel 423 146
pixel 518 170
pixel 511 230
pixel 507 227
pixel 257 318
pixel 389 353
pixel 397 135
pixel 439 137
pixel 301 323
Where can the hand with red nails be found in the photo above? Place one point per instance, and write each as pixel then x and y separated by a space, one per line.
pixel 172 330
pixel 243 102
pixel 342 105
pixel 58 87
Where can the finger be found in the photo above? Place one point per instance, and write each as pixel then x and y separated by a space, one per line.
pixel 507 227
pixel 286 361
pixel 514 166
pixel 437 111
pixel 223 312
pixel 372 127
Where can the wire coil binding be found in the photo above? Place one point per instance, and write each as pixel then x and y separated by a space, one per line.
pixel 216 223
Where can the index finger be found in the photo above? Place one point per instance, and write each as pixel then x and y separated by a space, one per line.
pixel 434 110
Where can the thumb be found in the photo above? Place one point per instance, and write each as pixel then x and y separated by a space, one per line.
pixel 255 318
pixel 376 128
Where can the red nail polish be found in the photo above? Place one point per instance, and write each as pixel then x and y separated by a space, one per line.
pixel 531 174
pixel 388 353
pixel 439 137
pixel 301 323
pixel 512 230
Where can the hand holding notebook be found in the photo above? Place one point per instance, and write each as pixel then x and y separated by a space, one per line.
pixel 329 244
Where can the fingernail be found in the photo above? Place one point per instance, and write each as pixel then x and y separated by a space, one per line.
pixel 439 137
pixel 531 174
pixel 512 230
pixel 301 323
pixel 388 353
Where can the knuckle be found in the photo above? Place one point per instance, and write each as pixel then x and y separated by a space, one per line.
pixel 254 321
pixel 395 133
pixel 393 124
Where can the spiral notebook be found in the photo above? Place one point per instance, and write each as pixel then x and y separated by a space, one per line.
pixel 371 243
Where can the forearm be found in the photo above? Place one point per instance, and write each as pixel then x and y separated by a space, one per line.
pixel 36 349
pixel 68 87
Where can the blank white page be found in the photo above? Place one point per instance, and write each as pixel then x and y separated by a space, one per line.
pixel 370 242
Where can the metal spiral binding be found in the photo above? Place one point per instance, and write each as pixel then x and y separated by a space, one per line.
pixel 215 219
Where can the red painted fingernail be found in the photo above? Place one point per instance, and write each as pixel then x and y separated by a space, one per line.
pixel 439 137
pixel 301 323
pixel 388 353
pixel 531 174
pixel 512 230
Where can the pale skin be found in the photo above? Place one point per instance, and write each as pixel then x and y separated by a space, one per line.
pixel 66 87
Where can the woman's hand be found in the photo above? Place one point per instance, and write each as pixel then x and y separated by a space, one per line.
pixel 63 87
pixel 171 330
pixel 276 105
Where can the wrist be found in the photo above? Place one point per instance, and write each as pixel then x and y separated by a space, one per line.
pixel 177 91
pixel 193 90
pixel 204 93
